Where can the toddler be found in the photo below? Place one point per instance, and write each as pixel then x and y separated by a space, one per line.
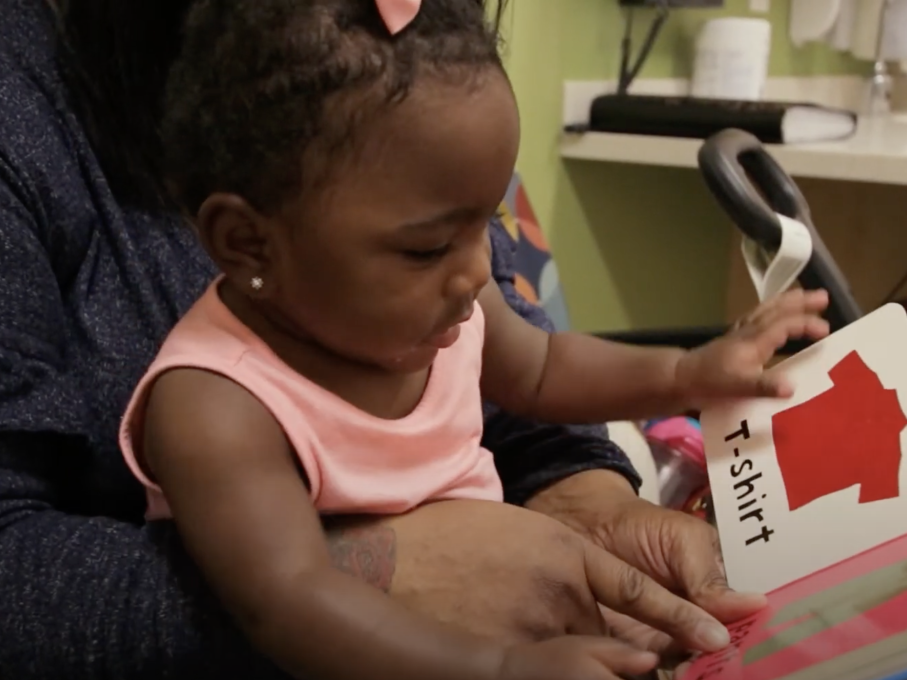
pixel 340 160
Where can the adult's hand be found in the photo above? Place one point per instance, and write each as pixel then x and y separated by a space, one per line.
pixel 519 576
pixel 678 551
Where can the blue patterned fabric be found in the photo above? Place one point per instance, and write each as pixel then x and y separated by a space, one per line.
pixel 536 275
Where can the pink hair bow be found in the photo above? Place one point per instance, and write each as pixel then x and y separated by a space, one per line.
pixel 398 14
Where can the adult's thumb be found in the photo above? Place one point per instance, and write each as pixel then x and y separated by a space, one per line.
pixel 698 569
pixel 724 603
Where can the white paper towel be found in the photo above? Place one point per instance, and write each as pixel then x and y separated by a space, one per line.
pixel 731 59
pixel 865 40
pixel 812 19
pixel 842 34
pixel 893 45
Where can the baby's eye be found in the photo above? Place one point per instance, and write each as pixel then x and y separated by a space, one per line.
pixel 427 255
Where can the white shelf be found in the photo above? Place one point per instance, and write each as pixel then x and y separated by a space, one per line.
pixel 876 153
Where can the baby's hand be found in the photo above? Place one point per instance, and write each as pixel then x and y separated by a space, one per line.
pixel 576 658
pixel 733 365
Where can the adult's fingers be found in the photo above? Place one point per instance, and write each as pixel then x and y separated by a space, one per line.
pixel 627 590
pixel 587 619
pixel 697 567
pixel 641 636
pixel 574 608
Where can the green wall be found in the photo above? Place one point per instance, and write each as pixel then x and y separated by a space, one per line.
pixel 637 246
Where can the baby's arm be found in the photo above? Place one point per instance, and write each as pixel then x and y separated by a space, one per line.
pixel 575 378
pixel 246 518
pixel 572 377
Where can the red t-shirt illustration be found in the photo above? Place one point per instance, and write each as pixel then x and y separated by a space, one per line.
pixel 850 434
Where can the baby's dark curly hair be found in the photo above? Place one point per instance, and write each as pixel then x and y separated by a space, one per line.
pixel 250 103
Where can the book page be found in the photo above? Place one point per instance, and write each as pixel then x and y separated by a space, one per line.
pixel 803 483
pixel 841 623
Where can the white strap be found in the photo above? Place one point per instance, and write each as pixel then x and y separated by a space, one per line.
pixel 773 275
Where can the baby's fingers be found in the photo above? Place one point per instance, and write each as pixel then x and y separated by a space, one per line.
pixel 682 669
pixel 621 658
pixel 772 337
pixel 773 385
pixel 815 301
pixel 816 328
pixel 576 657
pixel 792 302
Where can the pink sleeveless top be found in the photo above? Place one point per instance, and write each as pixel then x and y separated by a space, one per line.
pixel 356 463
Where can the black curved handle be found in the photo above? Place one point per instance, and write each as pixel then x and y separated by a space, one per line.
pixel 731 162
pixel 753 189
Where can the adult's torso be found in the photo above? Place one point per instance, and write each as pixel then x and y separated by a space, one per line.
pixel 124 277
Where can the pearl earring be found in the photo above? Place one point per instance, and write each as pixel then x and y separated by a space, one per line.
pixel 257 283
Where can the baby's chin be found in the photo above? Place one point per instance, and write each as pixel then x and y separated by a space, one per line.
pixel 414 359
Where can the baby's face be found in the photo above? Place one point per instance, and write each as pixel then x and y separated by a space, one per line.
pixel 385 264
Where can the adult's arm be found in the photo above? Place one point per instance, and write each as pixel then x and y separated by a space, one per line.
pixel 530 455
pixel 92 597
pixel 82 596
pixel 86 598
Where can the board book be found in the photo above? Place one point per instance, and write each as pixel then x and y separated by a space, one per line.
pixel 810 501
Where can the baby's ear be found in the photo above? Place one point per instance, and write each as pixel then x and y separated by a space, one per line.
pixel 235 235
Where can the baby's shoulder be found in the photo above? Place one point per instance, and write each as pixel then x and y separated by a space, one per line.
pixel 205 410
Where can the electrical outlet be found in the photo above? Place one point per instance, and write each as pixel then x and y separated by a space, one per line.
pixel 678 4
pixel 760 6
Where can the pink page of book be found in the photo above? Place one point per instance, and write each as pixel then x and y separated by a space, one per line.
pixel 845 622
